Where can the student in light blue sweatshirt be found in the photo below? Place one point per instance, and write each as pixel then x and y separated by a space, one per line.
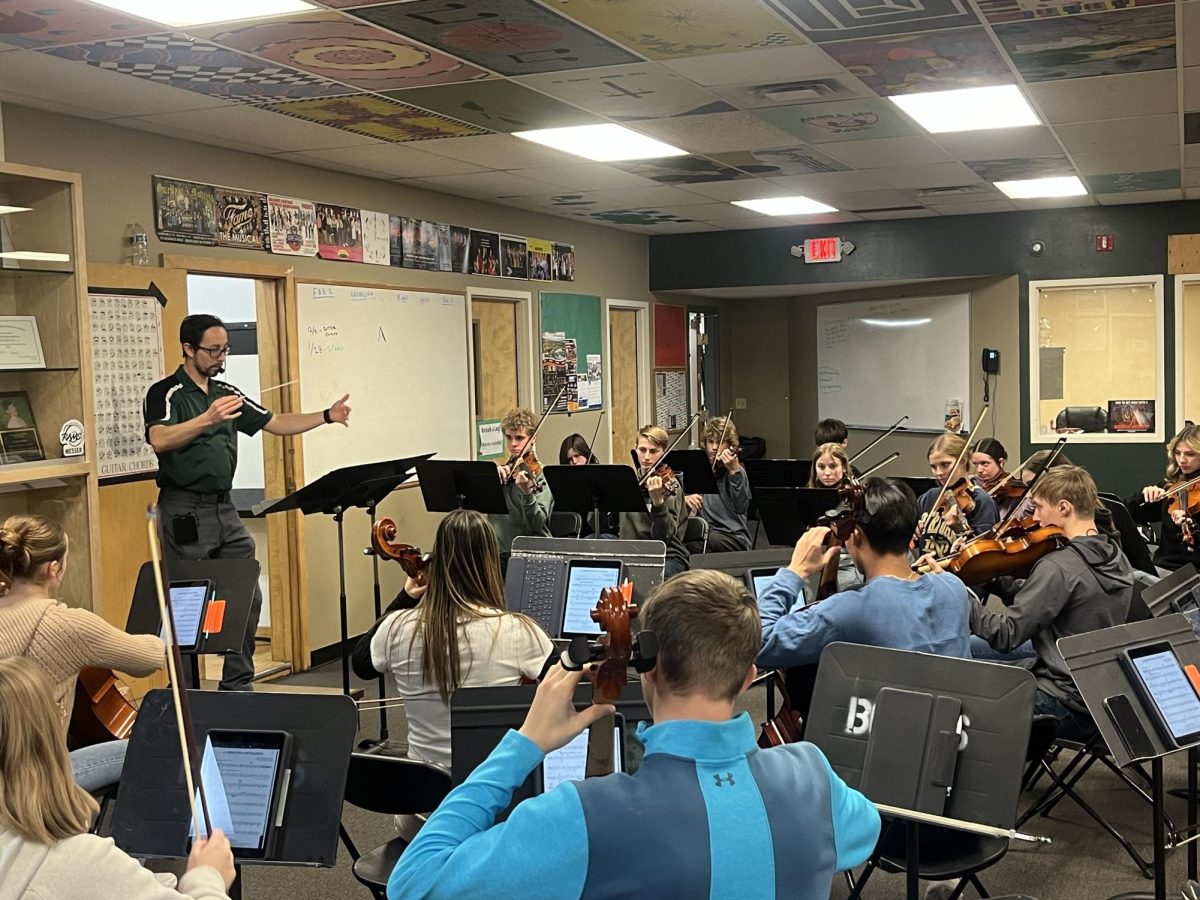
pixel 708 814
pixel 895 608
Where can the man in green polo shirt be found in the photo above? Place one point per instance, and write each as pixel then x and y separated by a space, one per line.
pixel 192 422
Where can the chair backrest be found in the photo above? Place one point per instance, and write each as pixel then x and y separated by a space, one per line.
pixel 395 785
pixel 696 530
pixel 565 524
pixel 1132 541
pixel 1085 418
pixel 1042 733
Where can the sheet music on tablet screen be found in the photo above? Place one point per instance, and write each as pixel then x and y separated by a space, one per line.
pixel 237 785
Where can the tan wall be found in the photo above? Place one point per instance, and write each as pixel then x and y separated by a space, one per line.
pixel 116 165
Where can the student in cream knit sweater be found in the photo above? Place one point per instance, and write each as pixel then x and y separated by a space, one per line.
pixel 45 850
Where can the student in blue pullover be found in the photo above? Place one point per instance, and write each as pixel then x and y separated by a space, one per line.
pixel 895 608
pixel 708 814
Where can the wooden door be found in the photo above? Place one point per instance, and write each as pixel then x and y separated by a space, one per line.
pixel 623 349
pixel 497 382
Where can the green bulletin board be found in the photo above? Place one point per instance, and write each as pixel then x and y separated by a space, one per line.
pixel 571 350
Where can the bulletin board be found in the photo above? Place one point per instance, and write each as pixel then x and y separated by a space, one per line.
pixel 571 350
pixel 670 336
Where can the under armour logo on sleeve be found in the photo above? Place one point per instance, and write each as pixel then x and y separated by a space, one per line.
pixel 728 779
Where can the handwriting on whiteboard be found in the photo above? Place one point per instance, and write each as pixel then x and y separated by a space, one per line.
pixel 829 381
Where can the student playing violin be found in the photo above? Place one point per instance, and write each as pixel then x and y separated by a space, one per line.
pixel 666 517
pixel 528 509
pixel 829 466
pixel 988 457
pixel 1154 503
pixel 963 510
pixel 725 510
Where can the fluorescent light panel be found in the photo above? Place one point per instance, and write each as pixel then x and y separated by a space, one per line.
pixel 969 109
pixel 785 206
pixel 895 323
pixel 602 143
pixel 1037 188
pixel 35 256
pixel 5 210
pixel 182 13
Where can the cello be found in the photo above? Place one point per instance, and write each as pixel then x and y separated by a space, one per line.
pixel 414 563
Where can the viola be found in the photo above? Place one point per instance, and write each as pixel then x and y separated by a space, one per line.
pixel 101 713
pixel 414 563
pixel 1012 550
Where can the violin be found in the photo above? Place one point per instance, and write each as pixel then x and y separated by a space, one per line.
pixel 1009 550
pixel 531 466
pixel 101 713
pixel 1185 498
pixel 670 483
pixel 961 492
pixel 414 563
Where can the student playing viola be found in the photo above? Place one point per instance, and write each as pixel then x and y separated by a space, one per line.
pixel 665 518
pixel 1152 503
pixel 829 466
pixel 725 510
pixel 940 529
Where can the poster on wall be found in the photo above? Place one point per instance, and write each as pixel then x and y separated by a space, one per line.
pixel 184 211
pixel 559 371
pixel 670 336
pixel 239 219
pixel 127 357
pixel 539 253
pixel 564 262
pixel 396 240
pixel 485 253
pixel 514 256
pixel 460 249
pixel 443 252
pixel 1130 416
pixel 375 238
pixel 420 237
pixel 670 399
pixel 339 233
pixel 292 226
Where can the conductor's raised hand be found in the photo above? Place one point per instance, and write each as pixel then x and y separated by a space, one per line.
pixel 340 411
pixel 810 554
pixel 552 721
pixel 223 409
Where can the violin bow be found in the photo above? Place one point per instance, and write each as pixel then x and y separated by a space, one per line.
pixel 183 714
pixel 675 443
pixel 595 436
pixel 899 422
pixel 724 432
pixel 961 456
pixel 879 465
pixel 1182 486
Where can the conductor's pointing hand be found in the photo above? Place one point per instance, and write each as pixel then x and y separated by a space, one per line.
pixel 340 411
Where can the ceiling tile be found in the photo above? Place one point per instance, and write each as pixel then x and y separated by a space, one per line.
pixel 499 151
pixel 831 182
pixel 1054 203
pixel 568 202
pixel 587 176
pixel 496 105
pixel 1191 193
pixel 680 228
pixel 1191 178
pixel 776 64
pixel 1022 168
pixel 883 214
pixel 759 221
pixel 898 151
pixel 684 30
pixel 375 116
pixel 750 188
pixel 219 139
pixel 858 201
pixel 825 219
pixel 997 11
pixel 1139 197
pixel 848 120
pixel 1120 134
pixel 1191 88
pixel 822 22
pixel 724 212
pixel 1190 36
pixel 1112 97
pixel 761 94
pixel 799 160
pixel 980 192
pixel 930 61
pixel 640 91
pixel 1106 43
pixel 931 176
pixel 342 49
pixel 256 126
pixel 386 161
pixel 1116 162
pixel 1000 143
pixel 643 216
pixel 681 170
pixel 960 209
pixel 658 197
pixel 56 106
pixel 716 133
pixel 36 23
pixel 512 37
pixel 481 184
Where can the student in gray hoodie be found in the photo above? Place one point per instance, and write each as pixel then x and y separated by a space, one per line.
pixel 1081 587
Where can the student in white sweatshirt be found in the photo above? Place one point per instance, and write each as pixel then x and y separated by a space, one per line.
pixel 45 848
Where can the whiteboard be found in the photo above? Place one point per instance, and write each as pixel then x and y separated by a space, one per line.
pixel 878 360
pixel 402 357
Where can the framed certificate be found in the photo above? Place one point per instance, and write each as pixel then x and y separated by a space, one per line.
pixel 20 345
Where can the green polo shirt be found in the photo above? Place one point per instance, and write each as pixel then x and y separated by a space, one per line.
pixel 206 465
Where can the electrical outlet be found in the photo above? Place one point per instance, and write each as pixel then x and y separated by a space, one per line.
pixel 739 403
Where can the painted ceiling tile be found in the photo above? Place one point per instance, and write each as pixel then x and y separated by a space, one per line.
pixel 635 217
pixel 929 61
pixel 681 170
pixel 998 11
pixel 639 91
pixel 184 62
pixel 762 94
pixel 375 117
pixel 1133 181
pixel 342 49
pixel 1017 169
pixel 1132 40
pixel 1191 128
pixel 838 20
pixel 685 28
pixel 512 37
pixel 44 23
pixel 786 161
pixel 497 106
pixel 851 120
pixel 716 133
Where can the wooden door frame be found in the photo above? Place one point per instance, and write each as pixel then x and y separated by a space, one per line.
pixel 528 364
pixel 642 308
pixel 287 568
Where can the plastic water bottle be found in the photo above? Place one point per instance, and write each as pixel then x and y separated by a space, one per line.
pixel 138 251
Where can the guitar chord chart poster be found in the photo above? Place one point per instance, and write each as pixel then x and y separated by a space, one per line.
pixel 127 357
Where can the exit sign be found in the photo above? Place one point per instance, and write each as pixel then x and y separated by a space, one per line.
pixel 822 250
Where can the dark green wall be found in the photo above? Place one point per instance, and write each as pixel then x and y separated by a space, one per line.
pixel 955 247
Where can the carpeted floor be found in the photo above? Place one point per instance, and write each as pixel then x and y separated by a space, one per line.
pixel 1083 862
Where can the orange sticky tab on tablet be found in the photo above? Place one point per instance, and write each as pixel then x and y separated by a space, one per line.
pixel 214 618
pixel 1193 675
pixel 627 590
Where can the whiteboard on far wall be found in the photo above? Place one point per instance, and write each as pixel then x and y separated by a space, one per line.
pixel 401 355
pixel 878 360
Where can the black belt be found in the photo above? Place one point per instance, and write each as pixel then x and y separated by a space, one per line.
pixel 193 496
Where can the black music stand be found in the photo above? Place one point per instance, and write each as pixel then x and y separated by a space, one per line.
pixel 152 817
pixel 234 581
pixel 918 484
pixel 1093 660
pixel 450 484
pixel 595 489
pixel 696 469
pixel 777 472
pixel 332 494
pixel 787 513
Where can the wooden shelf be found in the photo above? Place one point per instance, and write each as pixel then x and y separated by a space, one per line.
pixel 30 473
pixel 36 270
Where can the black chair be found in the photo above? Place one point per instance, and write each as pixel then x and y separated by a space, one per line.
pixel 1085 418
pixel 394 786
pixel 695 534
pixel 1132 541
pixel 565 524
